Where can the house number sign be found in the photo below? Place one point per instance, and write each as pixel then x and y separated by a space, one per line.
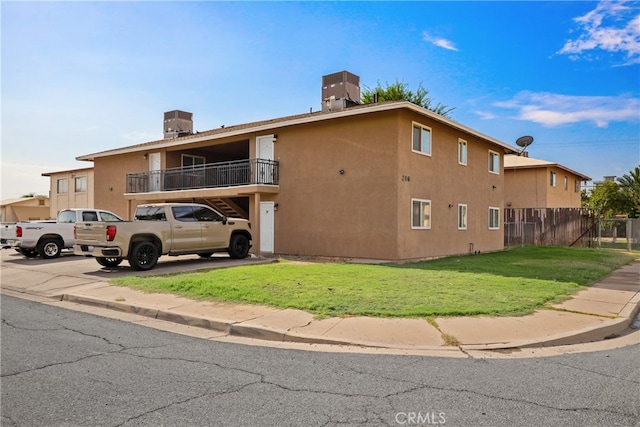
pixel 406 178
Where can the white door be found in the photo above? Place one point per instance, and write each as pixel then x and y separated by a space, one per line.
pixel 155 173
pixel 264 171
pixel 265 147
pixel 267 226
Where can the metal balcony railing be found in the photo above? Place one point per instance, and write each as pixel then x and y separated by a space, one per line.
pixel 212 175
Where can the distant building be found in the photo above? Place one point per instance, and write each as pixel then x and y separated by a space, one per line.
pixel 24 209
pixel 534 183
pixel 71 189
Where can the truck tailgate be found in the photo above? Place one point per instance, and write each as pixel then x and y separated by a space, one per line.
pixel 91 233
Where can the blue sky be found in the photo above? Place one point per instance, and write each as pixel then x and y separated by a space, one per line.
pixel 83 77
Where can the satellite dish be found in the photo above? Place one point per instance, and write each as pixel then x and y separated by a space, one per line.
pixel 524 141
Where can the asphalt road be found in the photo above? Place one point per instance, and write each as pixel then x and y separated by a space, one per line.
pixel 68 368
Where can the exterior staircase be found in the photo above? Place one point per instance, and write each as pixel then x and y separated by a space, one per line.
pixel 228 208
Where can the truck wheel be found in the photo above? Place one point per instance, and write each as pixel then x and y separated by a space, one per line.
pixel 109 262
pixel 143 256
pixel 49 248
pixel 29 253
pixel 239 246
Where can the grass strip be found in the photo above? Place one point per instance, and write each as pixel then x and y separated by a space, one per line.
pixel 512 282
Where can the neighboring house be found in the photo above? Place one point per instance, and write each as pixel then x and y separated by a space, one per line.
pixel 389 181
pixel 70 189
pixel 534 183
pixel 24 209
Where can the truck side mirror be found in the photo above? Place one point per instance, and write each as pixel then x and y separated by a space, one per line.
pixel 224 220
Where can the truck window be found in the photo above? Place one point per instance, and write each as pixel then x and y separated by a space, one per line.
pixel 89 216
pixel 109 217
pixel 150 213
pixel 206 214
pixel 183 213
pixel 67 216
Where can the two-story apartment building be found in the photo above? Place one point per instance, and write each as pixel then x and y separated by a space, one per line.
pixel 389 181
pixel 534 183
pixel 70 189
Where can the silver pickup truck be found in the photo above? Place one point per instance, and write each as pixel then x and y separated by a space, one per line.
pixel 163 229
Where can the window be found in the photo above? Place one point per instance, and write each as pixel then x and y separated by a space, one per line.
pixel 421 139
pixel 552 179
pixel 192 161
pixel 566 183
pixel 494 218
pixel 81 184
pixel 576 186
pixel 420 213
pixel 63 186
pixel 183 213
pixel 89 216
pixel 494 162
pixel 206 214
pixel 462 152
pixel 462 217
pixel 109 217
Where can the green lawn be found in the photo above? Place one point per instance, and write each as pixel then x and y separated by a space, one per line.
pixel 513 282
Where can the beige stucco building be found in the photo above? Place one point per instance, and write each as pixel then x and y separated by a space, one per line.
pixel 24 209
pixel 71 189
pixel 534 183
pixel 389 181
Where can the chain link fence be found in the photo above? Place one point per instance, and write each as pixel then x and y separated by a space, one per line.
pixel 619 233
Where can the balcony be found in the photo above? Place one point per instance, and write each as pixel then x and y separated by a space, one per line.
pixel 212 175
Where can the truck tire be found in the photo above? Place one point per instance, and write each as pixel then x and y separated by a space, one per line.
pixel 239 246
pixel 49 248
pixel 143 256
pixel 29 253
pixel 109 262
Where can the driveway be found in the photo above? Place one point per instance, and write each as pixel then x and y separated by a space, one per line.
pixel 72 265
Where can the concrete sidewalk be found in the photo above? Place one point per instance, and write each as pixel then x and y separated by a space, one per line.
pixel 602 311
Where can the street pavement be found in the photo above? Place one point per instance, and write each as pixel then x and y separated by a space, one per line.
pixel 601 315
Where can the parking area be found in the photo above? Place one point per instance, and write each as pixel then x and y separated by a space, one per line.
pixel 69 264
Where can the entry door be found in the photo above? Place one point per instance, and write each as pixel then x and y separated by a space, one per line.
pixel 265 147
pixel 267 229
pixel 264 171
pixel 155 173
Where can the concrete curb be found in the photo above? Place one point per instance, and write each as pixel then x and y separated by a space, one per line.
pixel 610 329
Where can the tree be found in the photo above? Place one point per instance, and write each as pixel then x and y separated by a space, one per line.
pixel 399 91
pixel 610 200
pixel 630 186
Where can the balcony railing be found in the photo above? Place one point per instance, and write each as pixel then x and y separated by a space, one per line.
pixel 212 175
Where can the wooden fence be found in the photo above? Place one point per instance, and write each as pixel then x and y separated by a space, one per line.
pixel 550 227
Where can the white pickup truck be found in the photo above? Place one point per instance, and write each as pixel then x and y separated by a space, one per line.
pixel 48 238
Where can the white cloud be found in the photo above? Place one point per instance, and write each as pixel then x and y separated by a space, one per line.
pixel 610 27
pixel 485 115
pixel 439 41
pixel 550 109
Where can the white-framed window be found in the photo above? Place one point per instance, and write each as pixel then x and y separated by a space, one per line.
pixel 566 183
pixel 421 139
pixel 190 161
pixel 81 184
pixel 552 179
pixel 462 152
pixel 494 162
pixel 576 186
pixel 63 186
pixel 420 214
pixel 494 218
pixel 462 217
